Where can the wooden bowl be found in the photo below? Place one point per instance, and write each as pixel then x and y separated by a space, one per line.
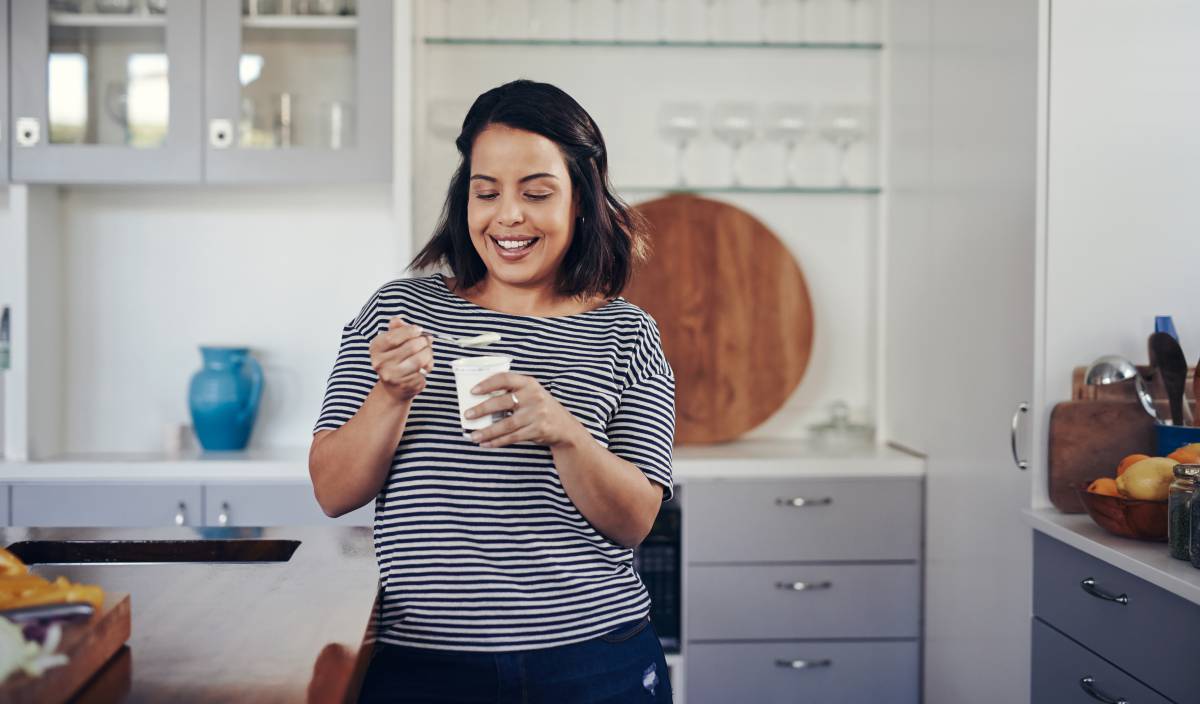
pixel 1128 518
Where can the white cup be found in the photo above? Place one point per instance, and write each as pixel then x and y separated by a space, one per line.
pixel 467 373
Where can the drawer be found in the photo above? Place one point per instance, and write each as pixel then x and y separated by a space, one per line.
pixel 1060 667
pixel 1154 636
pixel 69 504
pixel 840 673
pixel 802 520
pixel 277 504
pixel 726 602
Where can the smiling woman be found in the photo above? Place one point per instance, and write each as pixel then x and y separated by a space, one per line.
pixel 506 555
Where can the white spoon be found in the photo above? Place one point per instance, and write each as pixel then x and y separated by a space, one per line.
pixel 483 340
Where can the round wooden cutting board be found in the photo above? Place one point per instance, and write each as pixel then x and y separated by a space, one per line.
pixel 733 310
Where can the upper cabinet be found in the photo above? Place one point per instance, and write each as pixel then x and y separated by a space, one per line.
pixel 298 97
pixel 184 91
pixel 106 91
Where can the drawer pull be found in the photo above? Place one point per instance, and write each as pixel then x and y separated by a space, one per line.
pixel 1089 586
pixel 801 501
pixel 803 586
pixel 803 664
pixel 223 516
pixel 181 514
pixel 1088 684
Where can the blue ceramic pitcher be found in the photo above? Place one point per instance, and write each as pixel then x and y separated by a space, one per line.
pixel 224 396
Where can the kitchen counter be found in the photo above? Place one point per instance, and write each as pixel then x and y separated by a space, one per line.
pixel 1147 560
pixel 254 632
pixel 741 459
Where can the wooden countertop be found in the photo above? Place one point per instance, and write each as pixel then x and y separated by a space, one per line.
pixel 295 631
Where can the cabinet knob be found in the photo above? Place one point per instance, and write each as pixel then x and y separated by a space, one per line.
pixel 1088 684
pixel 181 514
pixel 220 133
pixel 1022 409
pixel 803 664
pixel 800 501
pixel 28 131
pixel 223 516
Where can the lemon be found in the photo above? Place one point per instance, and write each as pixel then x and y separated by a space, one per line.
pixel 1150 479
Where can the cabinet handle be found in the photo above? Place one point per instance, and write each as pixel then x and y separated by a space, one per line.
pixel 1088 684
pixel 803 664
pixel 1089 586
pixel 803 586
pixel 801 501
pixel 181 514
pixel 223 516
pixel 1022 409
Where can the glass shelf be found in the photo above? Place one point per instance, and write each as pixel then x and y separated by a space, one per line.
pixel 770 190
pixel 75 19
pixel 300 22
pixel 470 41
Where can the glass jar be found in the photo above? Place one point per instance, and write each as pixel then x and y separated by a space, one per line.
pixel 1179 529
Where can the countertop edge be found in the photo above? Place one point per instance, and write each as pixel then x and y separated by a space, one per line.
pixel 1146 560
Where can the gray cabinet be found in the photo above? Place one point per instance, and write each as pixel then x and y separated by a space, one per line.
pixel 4 505
pixel 1065 672
pixel 298 98
pixel 105 97
pixel 1147 632
pixel 71 504
pixel 273 504
pixel 802 590
pixel 4 67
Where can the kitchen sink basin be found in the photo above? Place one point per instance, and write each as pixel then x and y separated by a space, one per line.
pixel 75 552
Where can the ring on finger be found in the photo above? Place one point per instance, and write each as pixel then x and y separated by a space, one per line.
pixel 515 401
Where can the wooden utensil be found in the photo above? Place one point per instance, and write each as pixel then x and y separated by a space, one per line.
pixel 733 310
pixel 1168 357
pixel 1087 440
pixel 88 646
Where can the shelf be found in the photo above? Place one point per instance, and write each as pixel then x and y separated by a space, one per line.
pixel 768 190
pixel 300 22
pixel 97 20
pixel 657 43
pixel 284 464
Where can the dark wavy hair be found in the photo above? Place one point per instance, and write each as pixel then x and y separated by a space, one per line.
pixel 609 239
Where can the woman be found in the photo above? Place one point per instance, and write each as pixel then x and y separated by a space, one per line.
pixel 506 555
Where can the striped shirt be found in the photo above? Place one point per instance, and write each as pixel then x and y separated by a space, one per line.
pixel 481 549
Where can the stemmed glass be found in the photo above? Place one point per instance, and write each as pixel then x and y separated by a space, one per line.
pixel 680 123
pixel 843 126
pixel 788 123
pixel 735 123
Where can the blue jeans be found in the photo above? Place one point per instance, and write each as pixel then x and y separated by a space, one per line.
pixel 624 665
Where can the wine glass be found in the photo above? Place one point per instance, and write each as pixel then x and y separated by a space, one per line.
pixel 842 126
pixel 711 9
pixel 788 123
pixel 735 122
pixel 680 123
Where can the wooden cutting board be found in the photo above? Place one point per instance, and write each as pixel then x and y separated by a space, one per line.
pixel 1088 439
pixel 733 310
pixel 87 645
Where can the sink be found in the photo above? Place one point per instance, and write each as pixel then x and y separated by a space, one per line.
pixel 42 552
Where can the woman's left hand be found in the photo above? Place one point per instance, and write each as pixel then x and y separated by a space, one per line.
pixel 537 416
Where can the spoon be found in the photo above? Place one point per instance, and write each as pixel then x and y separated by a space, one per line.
pixel 482 340
pixel 1113 369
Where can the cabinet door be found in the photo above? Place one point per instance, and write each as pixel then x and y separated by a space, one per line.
pixel 102 98
pixel 64 504
pixel 279 504
pixel 298 98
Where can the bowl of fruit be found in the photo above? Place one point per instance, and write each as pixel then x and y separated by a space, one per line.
pixel 1134 503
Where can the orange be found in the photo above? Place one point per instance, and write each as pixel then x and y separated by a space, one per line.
pixel 1104 485
pixel 1186 455
pixel 1129 460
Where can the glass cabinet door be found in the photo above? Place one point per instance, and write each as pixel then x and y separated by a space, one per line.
pixel 106 91
pixel 298 90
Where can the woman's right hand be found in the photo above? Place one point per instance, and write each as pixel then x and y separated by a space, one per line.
pixel 401 356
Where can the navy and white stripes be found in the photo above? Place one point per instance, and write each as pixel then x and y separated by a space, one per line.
pixel 481 549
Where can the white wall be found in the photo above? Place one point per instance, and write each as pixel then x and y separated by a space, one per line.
pixel 153 272
pixel 1123 221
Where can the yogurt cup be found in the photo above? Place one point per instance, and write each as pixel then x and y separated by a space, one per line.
pixel 468 372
